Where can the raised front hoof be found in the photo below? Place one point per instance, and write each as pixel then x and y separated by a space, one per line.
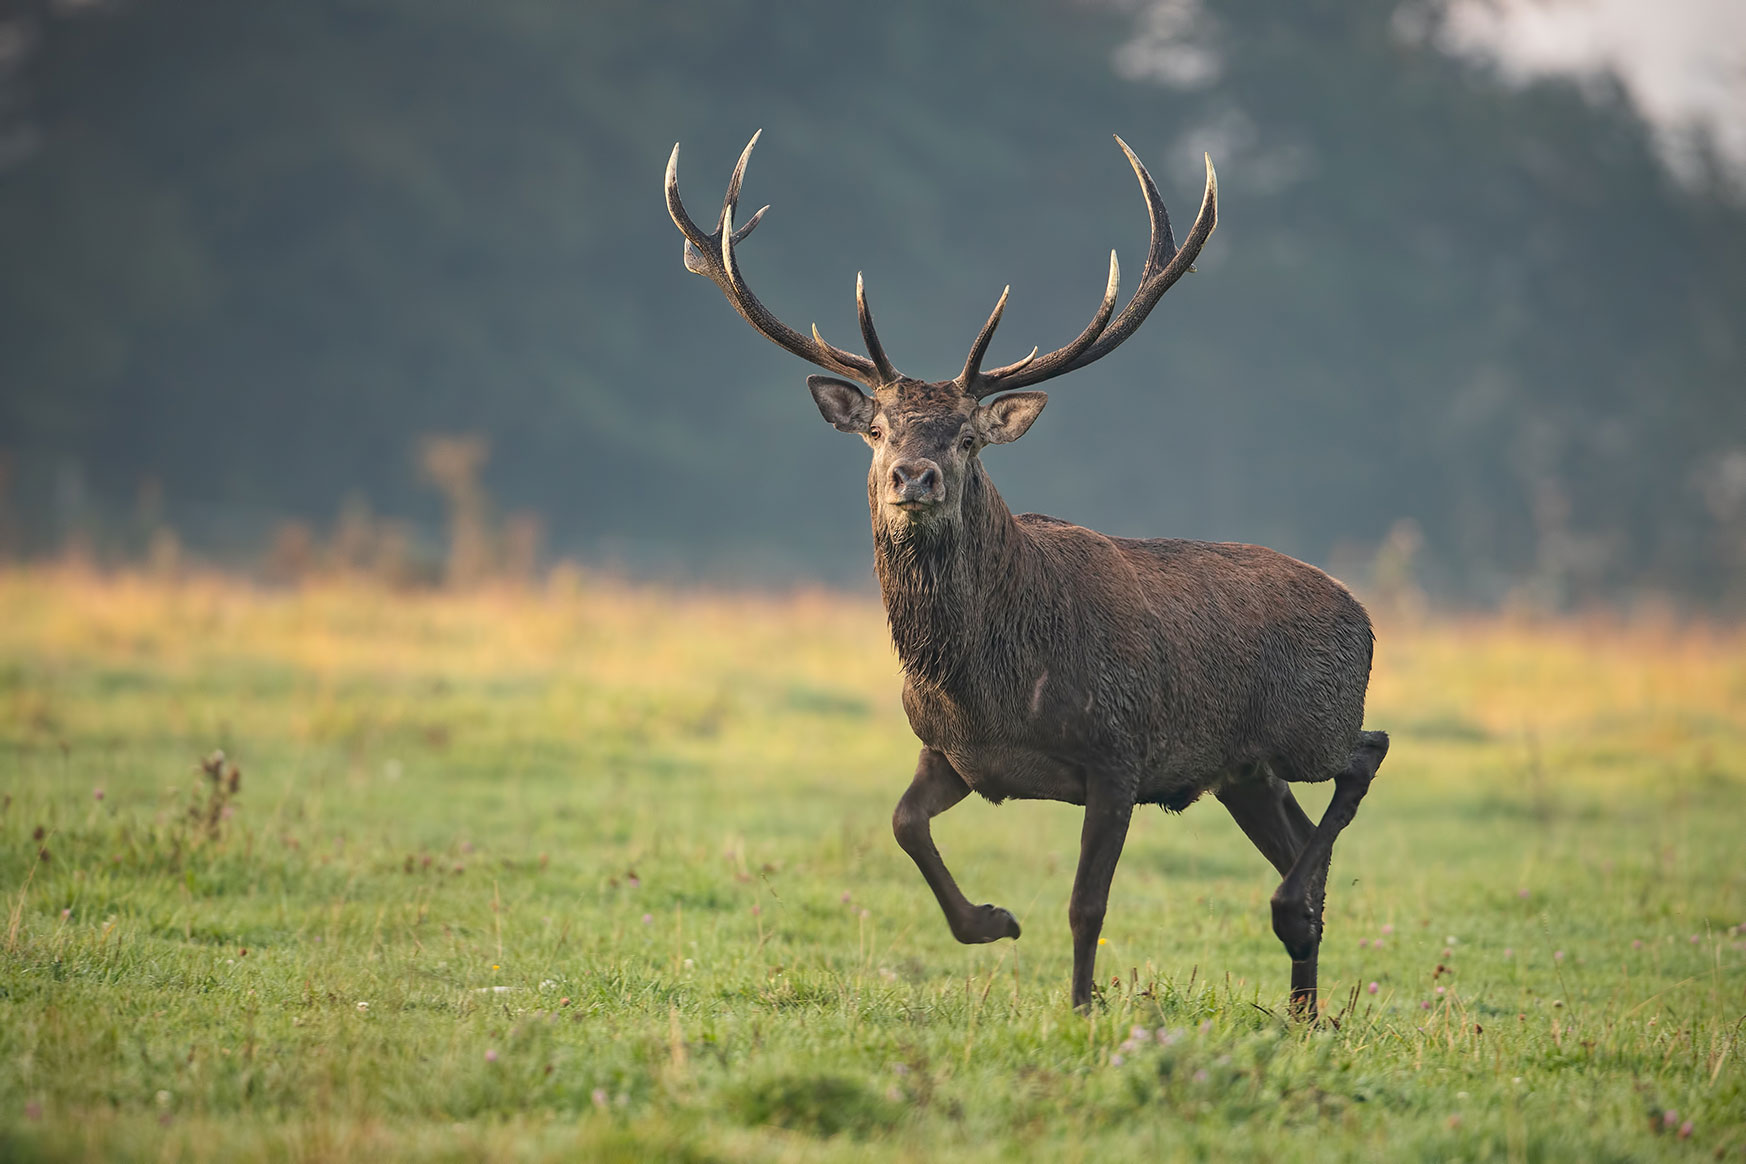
pixel 1296 926
pixel 987 923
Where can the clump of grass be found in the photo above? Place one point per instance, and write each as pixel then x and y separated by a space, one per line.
pixel 208 814
pixel 821 1103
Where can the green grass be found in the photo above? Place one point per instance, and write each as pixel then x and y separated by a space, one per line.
pixel 608 875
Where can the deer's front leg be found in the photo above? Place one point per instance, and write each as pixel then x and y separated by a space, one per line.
pixel 1108 808
pixel 937 787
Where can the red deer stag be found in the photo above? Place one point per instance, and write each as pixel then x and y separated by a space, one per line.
pixel 1046 661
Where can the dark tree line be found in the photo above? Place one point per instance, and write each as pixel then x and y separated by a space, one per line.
pixel 255 252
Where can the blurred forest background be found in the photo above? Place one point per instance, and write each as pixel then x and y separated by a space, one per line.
pixel 299 283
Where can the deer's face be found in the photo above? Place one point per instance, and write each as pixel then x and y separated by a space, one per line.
pixel 924 438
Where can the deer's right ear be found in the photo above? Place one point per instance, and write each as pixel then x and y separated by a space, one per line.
pixel 841 403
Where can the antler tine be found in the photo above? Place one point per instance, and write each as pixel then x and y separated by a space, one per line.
pixel 731 202
pixel 1009 369
pixel 880 363
pixel 1031 370
pixel 751 225
pixel 1165 264
pixel 1163 247
pixel 864 314
pixel 676 209
pixel 836 353
pixel 973 365
pixel 712 256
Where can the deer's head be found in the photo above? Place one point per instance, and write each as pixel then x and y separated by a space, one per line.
pixel 926 435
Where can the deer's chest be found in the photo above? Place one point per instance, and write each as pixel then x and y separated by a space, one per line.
pixel 997 756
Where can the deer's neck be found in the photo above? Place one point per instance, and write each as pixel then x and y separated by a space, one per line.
pixel 938 582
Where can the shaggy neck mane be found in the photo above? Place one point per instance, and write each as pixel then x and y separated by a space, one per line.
pixel 937 581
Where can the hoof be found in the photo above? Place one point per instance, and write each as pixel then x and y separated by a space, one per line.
pixel 1296 927
pixel 987 923
pixel 1304 1009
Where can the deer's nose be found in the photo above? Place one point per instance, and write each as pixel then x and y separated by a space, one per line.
pixel 916 481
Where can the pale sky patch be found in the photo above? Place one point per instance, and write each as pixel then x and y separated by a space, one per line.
pixel 1683 62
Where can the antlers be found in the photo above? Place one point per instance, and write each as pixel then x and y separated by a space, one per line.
pixel 712 255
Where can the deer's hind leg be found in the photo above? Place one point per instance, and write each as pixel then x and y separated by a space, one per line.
pixel 1269 815
pixel 937 787
pixel 1297 903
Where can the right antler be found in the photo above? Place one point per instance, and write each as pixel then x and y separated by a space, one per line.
pixel 1164 265
pixel 712 256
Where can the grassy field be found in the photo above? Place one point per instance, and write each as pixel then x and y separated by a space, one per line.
pixel 601 873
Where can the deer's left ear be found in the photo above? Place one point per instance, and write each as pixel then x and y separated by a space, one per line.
pixel 1006 418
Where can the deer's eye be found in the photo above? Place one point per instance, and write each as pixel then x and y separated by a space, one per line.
pixel 967 442
pixel 876 433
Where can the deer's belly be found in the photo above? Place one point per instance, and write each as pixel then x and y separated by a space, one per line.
pixel 1014 773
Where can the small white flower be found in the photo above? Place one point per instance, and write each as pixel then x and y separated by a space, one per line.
pixel 363 1006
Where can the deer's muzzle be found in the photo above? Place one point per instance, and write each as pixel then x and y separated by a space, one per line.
pixel 916 484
